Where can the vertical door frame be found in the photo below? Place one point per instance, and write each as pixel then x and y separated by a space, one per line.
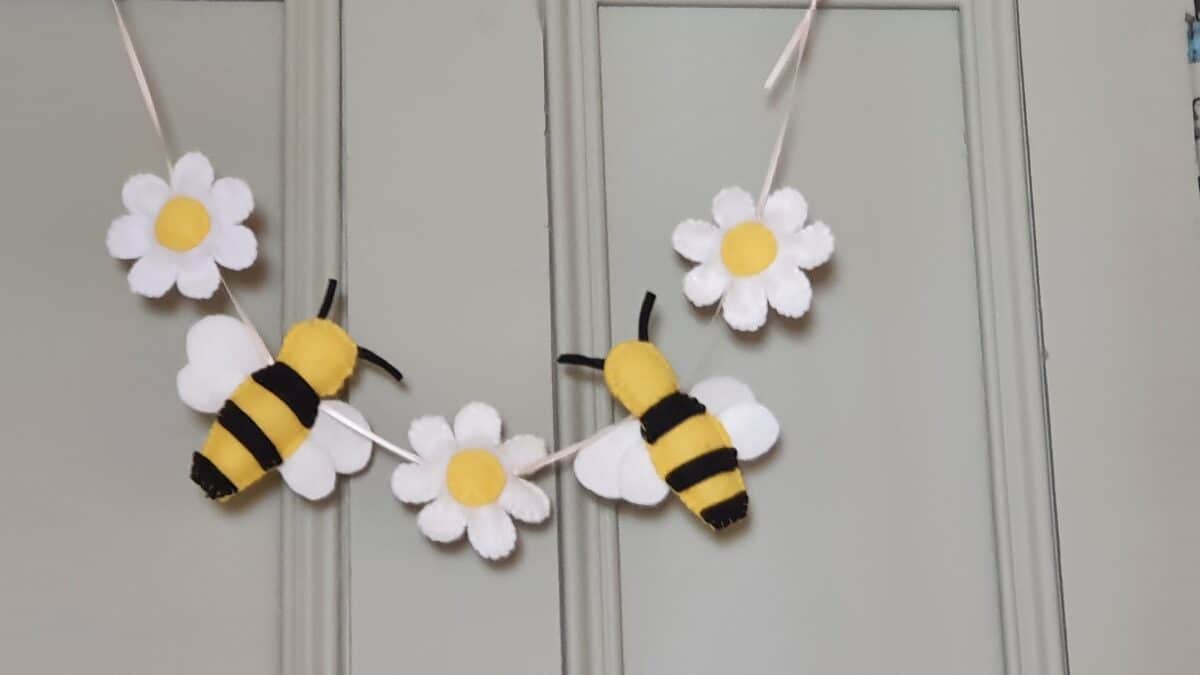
pixel 314 626
pixel 1024 521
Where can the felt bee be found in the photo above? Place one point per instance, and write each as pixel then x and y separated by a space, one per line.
pixel 688 444
pixel 268 413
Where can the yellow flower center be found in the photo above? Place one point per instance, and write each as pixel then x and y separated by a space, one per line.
pixel 182 224
pixel 475 477
pixel 748 248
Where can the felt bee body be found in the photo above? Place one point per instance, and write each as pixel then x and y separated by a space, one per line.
pixel 686 443
pixel 268 414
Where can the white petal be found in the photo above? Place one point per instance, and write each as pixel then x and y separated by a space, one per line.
pixel 198 277
pixel 154 274
pixel 521 451
pixel 696 240
pixel 309 472
pixel 477 425
pixel 752 428
pixel 491 531
pixel 417 483
pixel 234 246
pixel 442 521
pixel 145 194
pixel 732 206
pixel 705 284
pixel 810 247
pixel 745 306
pixel 431 437
pixel 640 482
pixel 788 291
pixel 785 210
pixel 192 175
pixel 129 236
pixel 232 200
pixel 525 501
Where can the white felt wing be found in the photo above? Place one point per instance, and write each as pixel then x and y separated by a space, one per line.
pixel 348 449
pixel 752 428
pixel 616 465
pixel 222 353
pixel 309 472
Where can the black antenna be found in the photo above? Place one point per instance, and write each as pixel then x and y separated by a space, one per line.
pixel 581 360
pixel 644 319
pixel 371 357
pixel 327 303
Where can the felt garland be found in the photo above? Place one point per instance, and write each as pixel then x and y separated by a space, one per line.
pixel 278 412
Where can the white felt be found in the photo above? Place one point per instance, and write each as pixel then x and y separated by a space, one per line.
pixel 788 291
pixel 234 246
pixel 477 425
pixel 810 247
pixel 696 240
pixel 154 274
pixel 521 451
pixel 232 201
pixel 309 472
pixel 349 450
pixel 144 195
pixel 705 283
pixel 745 305
pixel 785 210
pixel 431 437
pixel 221 353
pixel 130 236
pixel 751 427
pixel 524 501
pixel 640 483
pixel 732 206
pixel 198 276
pixel 443 520
pixel 417 483
pixel 192 176
pixel 721 393
pixel 491 531
pixel 598 464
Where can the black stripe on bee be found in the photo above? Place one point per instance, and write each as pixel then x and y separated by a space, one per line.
pixel 669 413
pixel 210 479
pixel 288 386
pixel 727 512
pixel 701 468
pixel 239 424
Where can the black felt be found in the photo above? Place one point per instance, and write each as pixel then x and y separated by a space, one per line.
pixel 699 469
pixel 239 424
pixel 371 357
pixel 669 413
pixel 644 318
pixel 288 386
pixel 210 479
pixel 327 303
pixel 581 360
pixel 727 512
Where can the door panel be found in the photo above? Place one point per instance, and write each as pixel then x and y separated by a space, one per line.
pixel 873 517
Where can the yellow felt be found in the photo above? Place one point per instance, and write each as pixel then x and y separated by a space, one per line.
pixel 689 439
pixel 271 415
pixel 182 223
pixel 231 457
pixel 713 490
pixel 638 375
pixel 748 248
pixel 322 353
pixel 475 477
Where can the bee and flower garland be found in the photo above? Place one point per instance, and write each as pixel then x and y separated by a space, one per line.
pixel 279 412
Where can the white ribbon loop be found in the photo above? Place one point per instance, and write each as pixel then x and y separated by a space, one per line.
pixel 795 46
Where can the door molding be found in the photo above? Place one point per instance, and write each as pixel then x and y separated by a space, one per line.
pixel 1020 462
pixel 313 572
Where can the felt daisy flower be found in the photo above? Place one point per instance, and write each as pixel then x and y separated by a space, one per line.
pixel 179 233
pixel 749 260
pixel 468 478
